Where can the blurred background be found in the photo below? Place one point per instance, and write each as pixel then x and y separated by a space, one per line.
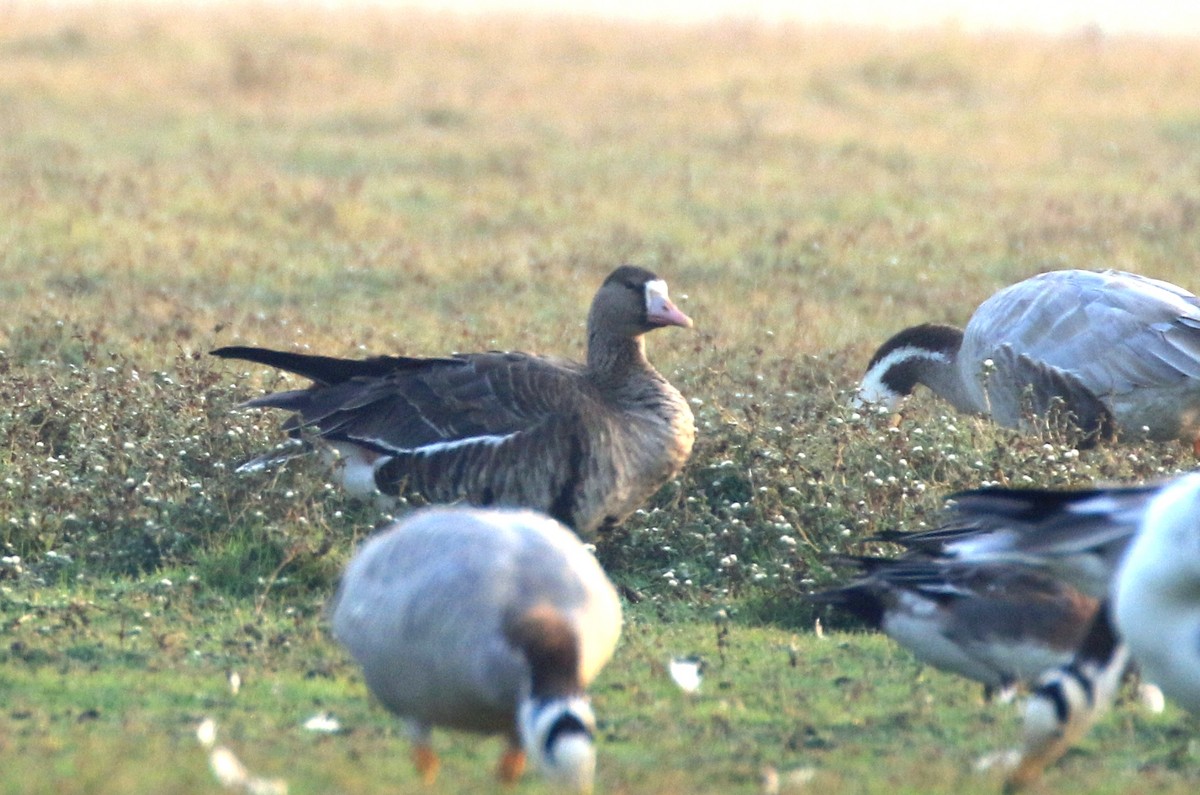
pixel 1057 16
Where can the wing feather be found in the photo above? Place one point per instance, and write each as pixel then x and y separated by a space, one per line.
pixel 443 400
pixel 1116 332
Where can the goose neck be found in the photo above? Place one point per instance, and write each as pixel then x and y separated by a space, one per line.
pixel 614 356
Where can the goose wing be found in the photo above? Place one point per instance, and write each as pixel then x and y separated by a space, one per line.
pixel 477 397
pixel 1115 331
pixel 1079 536
pixel 395 405
pixel 946 580
pixel 1021 384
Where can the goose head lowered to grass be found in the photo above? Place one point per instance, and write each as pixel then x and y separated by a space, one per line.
pixel 483 620
pixel 584 443
pixel 1117 352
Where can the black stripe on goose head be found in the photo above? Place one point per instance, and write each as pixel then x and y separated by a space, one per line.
pixel 567 723
pixel 931 338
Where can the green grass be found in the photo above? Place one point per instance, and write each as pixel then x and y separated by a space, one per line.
pixel 103 691
pixel 176 180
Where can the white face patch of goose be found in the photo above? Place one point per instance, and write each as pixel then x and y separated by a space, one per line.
pixel 656 295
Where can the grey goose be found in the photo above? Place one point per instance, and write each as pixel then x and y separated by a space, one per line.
pixel 997 624
pixel 488 621
pixel 584 443
pixel 1118 352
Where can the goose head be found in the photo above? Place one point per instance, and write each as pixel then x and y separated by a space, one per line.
pixel 557 735
pixel 924 354
pixel 631 302
pixel 554 718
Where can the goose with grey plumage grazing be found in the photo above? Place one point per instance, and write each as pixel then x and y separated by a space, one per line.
pixel 1118 352
pixel 484 620
pixel 584 443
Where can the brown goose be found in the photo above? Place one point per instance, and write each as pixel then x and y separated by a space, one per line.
pixel 585 443
pixel 995 623
pixel 1137 548
pixel 487 621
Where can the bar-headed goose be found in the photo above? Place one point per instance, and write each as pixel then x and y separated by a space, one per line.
pixel 485 620
pixel 1118 352
pixel 1000 625
pixel 584 443
pixel 1156 593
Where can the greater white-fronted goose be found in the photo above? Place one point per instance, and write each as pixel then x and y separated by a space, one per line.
pixel 484 620
pixel 997 624
pixel 584 443
pixel 1118 352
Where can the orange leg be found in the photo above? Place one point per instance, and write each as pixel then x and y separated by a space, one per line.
pixel 512 764
pixel 426 761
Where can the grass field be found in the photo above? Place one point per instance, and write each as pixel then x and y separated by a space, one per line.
pixel 176 180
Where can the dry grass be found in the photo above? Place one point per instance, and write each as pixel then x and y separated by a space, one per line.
pixel 176 179
pixel 372 160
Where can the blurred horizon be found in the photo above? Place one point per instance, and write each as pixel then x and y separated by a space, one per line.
pixel 1116 17
pixel 1056 17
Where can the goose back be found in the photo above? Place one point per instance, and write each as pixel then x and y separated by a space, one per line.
pixel 1078 536
pixel 1130 341
pixel 541 433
